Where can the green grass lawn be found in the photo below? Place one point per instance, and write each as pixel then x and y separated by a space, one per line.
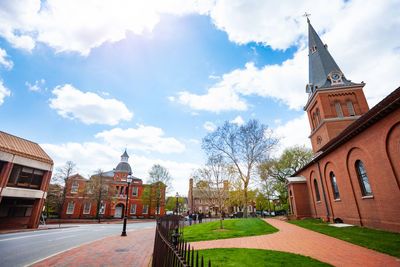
pixel 255 257
pixel 235 227
pixel 382 241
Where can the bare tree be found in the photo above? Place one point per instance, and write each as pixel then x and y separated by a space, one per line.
pixel 60 177
pixel 98 190
pixel 241 146
pixel 213 184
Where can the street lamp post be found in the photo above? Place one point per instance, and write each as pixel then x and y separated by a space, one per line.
pixel 177 200
pixel 128 180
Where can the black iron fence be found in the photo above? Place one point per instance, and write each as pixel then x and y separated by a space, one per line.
pixel 170 249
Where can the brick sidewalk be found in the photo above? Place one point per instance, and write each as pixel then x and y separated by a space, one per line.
pixel 294 239
pixel 133 250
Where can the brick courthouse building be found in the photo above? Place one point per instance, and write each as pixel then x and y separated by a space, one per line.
pixel 355 173
pixel 82 195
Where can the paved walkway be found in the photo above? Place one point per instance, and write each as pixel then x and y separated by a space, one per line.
pixel 133 250
pixel 294 239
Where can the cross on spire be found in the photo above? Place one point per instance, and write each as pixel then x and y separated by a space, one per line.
pixel 307 15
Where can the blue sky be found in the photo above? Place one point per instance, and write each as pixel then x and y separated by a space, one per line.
pixel 85 80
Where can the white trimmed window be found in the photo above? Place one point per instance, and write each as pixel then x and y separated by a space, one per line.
pixel 90 188
pixel 145 209
pixel 71 207
pixel 86 208
pixel 74 188
pixel 250 208
pixel 134 191
pixel 338 107
pixel 133 209
pixel 350 108
pixel 102 208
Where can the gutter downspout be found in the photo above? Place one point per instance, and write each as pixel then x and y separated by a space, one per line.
pixel 323 190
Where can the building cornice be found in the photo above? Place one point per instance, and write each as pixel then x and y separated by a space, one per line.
pixel 312 99
pixel 333 119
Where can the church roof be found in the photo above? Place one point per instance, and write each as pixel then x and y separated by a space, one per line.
pixel 321 63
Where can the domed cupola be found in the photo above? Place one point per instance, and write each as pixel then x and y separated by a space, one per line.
pixel 124 166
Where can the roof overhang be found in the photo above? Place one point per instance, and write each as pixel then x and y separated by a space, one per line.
pixel 296 180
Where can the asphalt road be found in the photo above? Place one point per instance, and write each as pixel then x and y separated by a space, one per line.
pixel 24 248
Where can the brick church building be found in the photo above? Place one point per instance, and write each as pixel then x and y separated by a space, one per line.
pixel 107 192
pixel 355 172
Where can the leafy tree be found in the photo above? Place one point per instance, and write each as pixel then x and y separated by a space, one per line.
pixel 273 173
pixel 148 197
pixel 261 201
pixel 213 184
pixel 60 176
pixel 54 199
pixel 243 147
pixel 170 204
pixel 160 181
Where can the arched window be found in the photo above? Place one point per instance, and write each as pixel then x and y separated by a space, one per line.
pixel 363 179
pixel 350 108
pixel 318 116
pixel 334 186
pixel 315 120
pixel 316 190
pixel 338 107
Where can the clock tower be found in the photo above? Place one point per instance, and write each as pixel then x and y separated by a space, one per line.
pixel 334 101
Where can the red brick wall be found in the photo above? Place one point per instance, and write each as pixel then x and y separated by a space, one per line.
pixel 80 199
pixel 378 148
pixel 300 207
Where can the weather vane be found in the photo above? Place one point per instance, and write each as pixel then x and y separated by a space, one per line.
pixel 307 15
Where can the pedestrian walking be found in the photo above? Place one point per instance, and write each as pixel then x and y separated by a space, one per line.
pixel 200 217
pixel 190 218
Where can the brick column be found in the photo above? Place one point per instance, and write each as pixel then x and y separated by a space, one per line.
pixel 5 175
pixel 46 181
pixel 36 213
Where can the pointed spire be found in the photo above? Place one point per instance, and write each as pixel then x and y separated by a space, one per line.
pixel 124 157
pixel 323 70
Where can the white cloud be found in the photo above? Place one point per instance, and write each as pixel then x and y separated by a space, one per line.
pixel 144 138
pixel 214 77
pixel 283 82
pixel 8 64
pixel 3 92
pixel 294 132
pixel 219 98
pixel 88 107
pixel 36 86
pixel 76 25
pixel 209 126
pixel 347 29
pixel 238 120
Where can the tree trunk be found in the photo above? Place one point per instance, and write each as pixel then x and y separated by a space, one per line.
pixel 220 221
pixel 245 201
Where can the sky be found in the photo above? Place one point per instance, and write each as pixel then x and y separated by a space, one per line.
pixel 87 79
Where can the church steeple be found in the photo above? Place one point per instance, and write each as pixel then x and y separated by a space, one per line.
pixel 323 70
pixel 334 102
